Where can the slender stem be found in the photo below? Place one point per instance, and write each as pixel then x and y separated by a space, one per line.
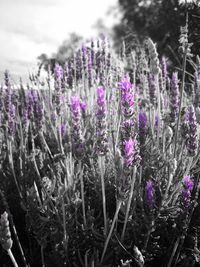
pixel 181 97
pixel 103 193
pixel 13 170
pixel 111 230
pixel 147 236
pixel 64 225
pixel 18 242
pixel 42 256
pixel 128 204
pixel 82 195
pixel 12 258
pixel 159 112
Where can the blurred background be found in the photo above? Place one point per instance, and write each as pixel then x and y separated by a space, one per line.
pixel 34 31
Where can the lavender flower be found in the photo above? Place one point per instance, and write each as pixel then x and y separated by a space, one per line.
pixel 125 85
pixel 101 129
pixel 127 108
pixel 58 72
pixel 63 129
pixel 78 64
pixel 186 191
pixel 89 71
pixel 164 68
pixel 8 98
pixel 76 131
pixel 69 72
pixel 11 119
pixel 25 120
pixel 142 123
pixel 92 55
pixel 192 141
pixel 174 96
pixel 127 98
pixel 83 106
pixel 149 190
pixel 152 88
pixel 39 115
pixel 30 104
pixel 163 74
pixel 9 107
pixel 74 106
pixel 129 152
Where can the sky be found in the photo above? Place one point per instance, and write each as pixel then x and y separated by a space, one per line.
pixel 29 28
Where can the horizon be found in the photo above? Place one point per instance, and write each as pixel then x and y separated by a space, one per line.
pixel 30 28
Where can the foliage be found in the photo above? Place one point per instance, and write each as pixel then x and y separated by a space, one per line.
pixel 104 163
pixel 159 20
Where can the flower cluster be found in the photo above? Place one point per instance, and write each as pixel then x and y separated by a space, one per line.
pixel 101 131
pixel 174 96
pixel 130 147
pixel 186 191
pixel 142 126
pixel 76 132
pixel 149 190
pixel 189 130
pixel 127 109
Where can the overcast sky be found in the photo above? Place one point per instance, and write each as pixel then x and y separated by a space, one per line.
pixel 31 27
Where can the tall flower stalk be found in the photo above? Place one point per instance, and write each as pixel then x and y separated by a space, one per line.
pixel 185 46
pixel 102 143
pixel 76 128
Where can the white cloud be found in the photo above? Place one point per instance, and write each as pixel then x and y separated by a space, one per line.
pixel 31 27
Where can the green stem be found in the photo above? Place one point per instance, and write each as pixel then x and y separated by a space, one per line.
pixel 111 230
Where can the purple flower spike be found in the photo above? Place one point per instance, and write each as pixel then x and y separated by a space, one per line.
pixel 125 85
pixel 152 89
pixel 174 96
pixel 101 127
pixel 63 129
pixel 76 129
pixel 39 115
pixel 100 96
pixel 74 103
pixel 186 191
pixel 75 107
pixel 11 119
pixel 149 189
pixel 58 72
pixel 25 120
pixel 127 101
pixel 83 106
pixel 142 123
pixel 127 109
pixel 129 152
pixel 192 141
pixel 164 67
